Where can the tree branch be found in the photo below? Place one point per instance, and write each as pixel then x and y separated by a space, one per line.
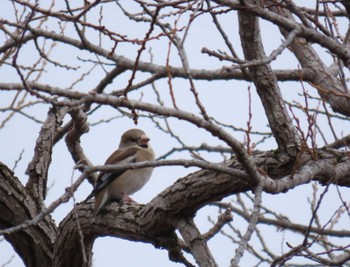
pixel 33 244
pixel 266 85
pixel 39 166
pixel 196 243
pixel 326 83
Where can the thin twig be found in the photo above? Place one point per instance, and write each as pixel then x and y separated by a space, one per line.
pixel 251 226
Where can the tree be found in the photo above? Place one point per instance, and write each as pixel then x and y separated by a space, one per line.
pixel 259 89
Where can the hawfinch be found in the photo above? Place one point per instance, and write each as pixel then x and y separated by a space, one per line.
pixel 118 185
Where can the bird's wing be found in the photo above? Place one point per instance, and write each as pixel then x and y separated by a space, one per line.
pixel 118 157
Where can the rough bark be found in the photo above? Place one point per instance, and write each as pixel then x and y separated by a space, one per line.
pixel 34 244
pixel 39 166
pixel 155 222
pixel 35 236
pixel 152 223
pixel 266 85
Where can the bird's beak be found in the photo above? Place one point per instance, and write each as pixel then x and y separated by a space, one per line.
pixel 143 140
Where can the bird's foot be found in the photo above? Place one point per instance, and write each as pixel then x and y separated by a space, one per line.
pixel 127 199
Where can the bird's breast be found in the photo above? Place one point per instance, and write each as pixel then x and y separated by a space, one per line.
pixel 130 182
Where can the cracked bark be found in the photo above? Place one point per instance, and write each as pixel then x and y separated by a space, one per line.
pixel 45 244
pixel 196 243
pixel 34 244
pixel 39 166
pixel 152 223
pixel 266 85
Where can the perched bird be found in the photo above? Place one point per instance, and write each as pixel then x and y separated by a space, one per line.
pixel 118 185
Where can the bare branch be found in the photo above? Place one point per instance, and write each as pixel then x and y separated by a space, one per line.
pixel 251 226
pixel 38 167
pixel 197 244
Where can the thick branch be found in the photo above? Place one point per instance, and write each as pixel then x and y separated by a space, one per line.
pixel 78 128
pixel 196 243
pixel 154 222
pixel 115 220
pixel 35 244
pixel 39 166
pixel 266 84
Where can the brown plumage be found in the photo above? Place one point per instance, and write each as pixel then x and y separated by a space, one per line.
pixel 133 147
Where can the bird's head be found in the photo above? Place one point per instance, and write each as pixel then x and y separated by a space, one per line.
pixel 134 137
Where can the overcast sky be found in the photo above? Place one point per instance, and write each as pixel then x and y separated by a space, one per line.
pixel 225 100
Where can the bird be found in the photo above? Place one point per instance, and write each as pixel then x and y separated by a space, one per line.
pixel 118 185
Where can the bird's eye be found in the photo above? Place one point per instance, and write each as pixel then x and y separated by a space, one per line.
pixel 133 139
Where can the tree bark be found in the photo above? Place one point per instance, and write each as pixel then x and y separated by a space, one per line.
pixel 39 166
pixel 152 223
pixel 33 244
pixel 266 85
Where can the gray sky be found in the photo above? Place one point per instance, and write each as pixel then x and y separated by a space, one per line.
pixel 224 100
